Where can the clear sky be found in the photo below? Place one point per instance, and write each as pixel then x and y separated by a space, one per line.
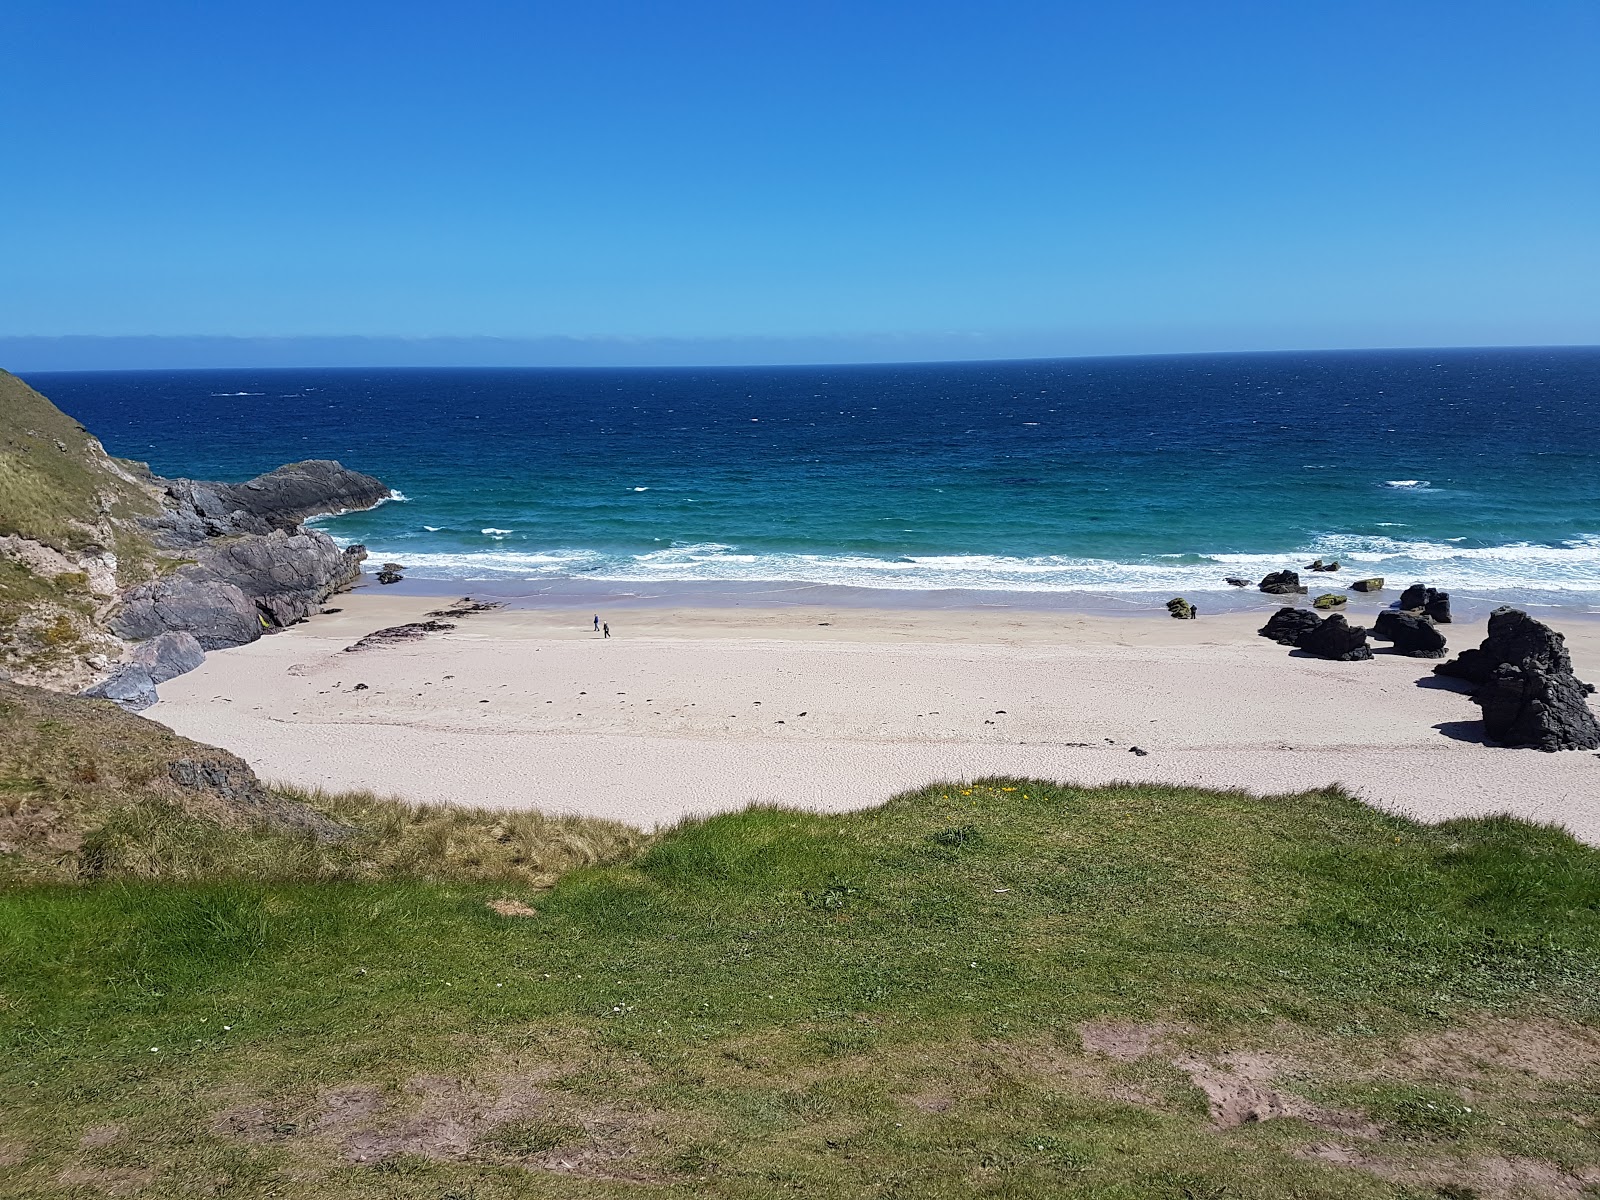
pixel 693 181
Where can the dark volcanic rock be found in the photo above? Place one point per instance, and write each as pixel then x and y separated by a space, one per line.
pixel 1526 687
pixel 1337 639
pixel 1374 584
pixel 1282 583
pixel 1420 598
pixel 1523 706
pixel 130 686
pixel 1288 625
pixel 466 607
pixel 1412 634
pixel 169 655
pixel 396 634
pixel 1233 581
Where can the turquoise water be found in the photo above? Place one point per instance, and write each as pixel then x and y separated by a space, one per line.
pixel 1478 471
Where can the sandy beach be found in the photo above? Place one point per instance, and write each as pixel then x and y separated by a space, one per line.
pixel 703 710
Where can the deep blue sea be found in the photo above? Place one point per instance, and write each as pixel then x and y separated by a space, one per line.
pixel 1476 470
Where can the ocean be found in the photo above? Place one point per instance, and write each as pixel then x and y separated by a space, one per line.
pixel 1129 478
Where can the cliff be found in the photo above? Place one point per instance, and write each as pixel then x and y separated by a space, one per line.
pixel 111 574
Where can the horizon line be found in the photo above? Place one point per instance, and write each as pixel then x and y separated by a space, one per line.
pixel 110 353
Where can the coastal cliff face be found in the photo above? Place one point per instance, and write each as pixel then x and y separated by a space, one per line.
pixel 108 571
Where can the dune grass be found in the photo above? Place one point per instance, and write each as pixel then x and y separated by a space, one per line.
pixel 890 1003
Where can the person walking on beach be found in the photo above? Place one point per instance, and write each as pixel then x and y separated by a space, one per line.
pixel 607 628
pixel 597 622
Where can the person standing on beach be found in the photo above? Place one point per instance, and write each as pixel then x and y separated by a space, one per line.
pixel 607 628
pixel 597 622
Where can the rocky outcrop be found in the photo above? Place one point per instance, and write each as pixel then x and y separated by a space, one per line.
pixel 1421 598
pixel 1413 634
pixel 1282 583
pixel 1525 686
pixel 1288 625
pixel 396 634
pixel 254 568
pixel 1337 639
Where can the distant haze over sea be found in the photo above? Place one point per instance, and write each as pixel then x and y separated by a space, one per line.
pixel 1476 470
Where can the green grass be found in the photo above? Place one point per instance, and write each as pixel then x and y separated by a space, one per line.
pixel 881 1004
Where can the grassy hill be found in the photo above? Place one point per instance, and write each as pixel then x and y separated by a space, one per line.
pixel 1006 989
pixel 68 534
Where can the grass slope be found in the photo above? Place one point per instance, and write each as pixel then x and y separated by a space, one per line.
pixel 1003 990
pixel 68 503
pixel 87 792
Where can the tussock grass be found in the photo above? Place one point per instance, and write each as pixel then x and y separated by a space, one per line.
pixel 87 793
pixel 885 1003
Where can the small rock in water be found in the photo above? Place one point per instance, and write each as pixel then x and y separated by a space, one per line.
pixel 1374 584
pixel 1235 581
pixel 1281 583
pixel 1328 600
pixel 389 577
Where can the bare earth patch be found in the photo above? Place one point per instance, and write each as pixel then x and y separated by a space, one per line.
pixel 100 1135
pixel 1240 1091
pixel 1490 1177
pixel 107 1181
pixel 1552 1051
pixel 512 908
pixel 1125 1041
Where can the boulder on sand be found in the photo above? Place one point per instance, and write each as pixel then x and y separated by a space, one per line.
pixel 1526 687
pixel 1282 583
pixel 1412 634
pixel 174 653
pixel 129 686
pixel 1329 600
pixel 1421 598
pixel 1337 639
pixel 1288 625
pixel 1374 584
pixel 1181 608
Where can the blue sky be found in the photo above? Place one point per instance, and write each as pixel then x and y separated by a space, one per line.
pixel 746 181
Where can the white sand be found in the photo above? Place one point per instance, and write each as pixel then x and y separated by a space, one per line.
pixel 696 711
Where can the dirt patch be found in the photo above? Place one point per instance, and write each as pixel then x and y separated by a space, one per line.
pixel 1491 1177
pixel 447 1120
pixel 253 1123
pixel 107 1181
pixel 1125 1041
pixel 100 1135
pixel 13 1153
pixel 932 1101
pixel 1552 1051
pixel 1240 1091
pixel 346 1106
pixel 512 908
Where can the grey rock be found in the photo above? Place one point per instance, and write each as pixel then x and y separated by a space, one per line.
pixel 130 686
pixel 1288 625
pixel 218 614
pixel 231 781
pixel 388 577
pixel 1281 583
pixel 296 492
pixel 1372 584
pixel 168 655
pixel 1235 581
pixel 1337 639
pixel 1413 634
